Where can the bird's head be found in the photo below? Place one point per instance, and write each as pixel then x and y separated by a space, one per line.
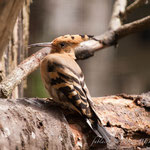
pixel 67 43
pixel 64 44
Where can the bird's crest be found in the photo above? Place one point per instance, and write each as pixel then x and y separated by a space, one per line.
pixel 72 39
pixel 67 43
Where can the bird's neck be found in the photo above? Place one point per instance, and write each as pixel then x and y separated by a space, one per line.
pixel 70 54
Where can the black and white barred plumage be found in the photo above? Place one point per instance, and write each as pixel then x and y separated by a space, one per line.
pixel 64 81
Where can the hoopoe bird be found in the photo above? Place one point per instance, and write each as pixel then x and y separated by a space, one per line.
pixel 65 83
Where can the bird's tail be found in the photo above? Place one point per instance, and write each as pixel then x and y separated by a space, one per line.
pixel 99 130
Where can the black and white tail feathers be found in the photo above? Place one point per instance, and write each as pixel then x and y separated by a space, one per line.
pixel 99 130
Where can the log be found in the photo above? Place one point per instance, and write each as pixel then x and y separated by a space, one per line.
pixel 35 123
pixel 32 124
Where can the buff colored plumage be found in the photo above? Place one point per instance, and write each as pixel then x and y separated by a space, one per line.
pixel 64 80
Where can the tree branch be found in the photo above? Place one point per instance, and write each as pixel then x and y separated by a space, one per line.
pixel 109 38
pixel 118 9
pixel 135 5
pixel 136 26
pixel 21 72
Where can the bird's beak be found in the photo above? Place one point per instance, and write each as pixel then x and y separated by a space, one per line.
pixel 46 44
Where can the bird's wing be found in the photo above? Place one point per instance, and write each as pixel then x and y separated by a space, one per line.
pixel 68 79
pixel 68 82
pixel 74 88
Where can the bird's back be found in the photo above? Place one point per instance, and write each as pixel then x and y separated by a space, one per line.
pixel 55 65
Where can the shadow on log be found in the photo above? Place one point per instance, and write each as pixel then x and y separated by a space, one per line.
pixel 42 124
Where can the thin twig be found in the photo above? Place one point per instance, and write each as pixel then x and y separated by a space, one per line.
pixel 135 5
pixel 133 27
pixel 118 9
pixel 84 50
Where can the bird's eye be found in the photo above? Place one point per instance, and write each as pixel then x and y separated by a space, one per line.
pixel 62 44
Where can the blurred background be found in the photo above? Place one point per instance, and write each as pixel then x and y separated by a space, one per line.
pixel 125 69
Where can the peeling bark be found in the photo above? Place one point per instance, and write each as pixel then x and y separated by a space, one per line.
pixel 33 124
pixel 8 19
pixel 13 38
pixel 43 124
